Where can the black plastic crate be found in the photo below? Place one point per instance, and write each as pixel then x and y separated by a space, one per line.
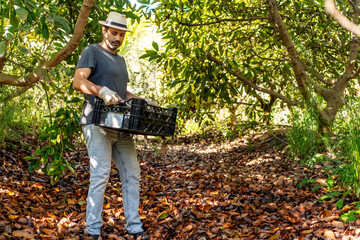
pixel 135 116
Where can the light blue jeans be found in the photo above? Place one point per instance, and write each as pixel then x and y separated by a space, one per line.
pixel 103 146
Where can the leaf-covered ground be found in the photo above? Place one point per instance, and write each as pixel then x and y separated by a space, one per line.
pixel 200 189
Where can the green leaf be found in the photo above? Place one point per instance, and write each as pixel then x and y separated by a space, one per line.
pixel 155 46
pixel 340 203
pixel 24 28
pixel 144 1
pixel 34 165
pixel 62 23
pixel 81 203
pixel 45 31
pixel 14 21
pixel 314 189
pixel 358 192
pixel 23 50
pixel 75 100
pixel 149 53
pixel 21 12
pixel 348 217
pixel 10 29
pixel 31 4
pixel 163 215
pixel 70 168
pixel 326 197
pixel 131 15
pixel 2 47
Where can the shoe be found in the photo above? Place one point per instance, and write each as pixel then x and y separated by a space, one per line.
pixel 140 236
pixel 95 237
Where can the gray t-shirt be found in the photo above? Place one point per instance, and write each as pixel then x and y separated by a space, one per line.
pixel 107 69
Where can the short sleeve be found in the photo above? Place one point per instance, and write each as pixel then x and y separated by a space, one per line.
pixel 87 59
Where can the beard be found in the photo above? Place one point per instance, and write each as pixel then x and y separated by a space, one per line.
pixel 113 45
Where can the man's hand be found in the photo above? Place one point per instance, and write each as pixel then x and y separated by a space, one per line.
pixel 110 97
pixel 152 103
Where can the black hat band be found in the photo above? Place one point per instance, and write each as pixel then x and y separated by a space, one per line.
pixel 116 24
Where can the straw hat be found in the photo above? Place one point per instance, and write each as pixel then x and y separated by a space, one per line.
pixel 116 20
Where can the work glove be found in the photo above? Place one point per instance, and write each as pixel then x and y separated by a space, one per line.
pixel 152 103
pixel 110 97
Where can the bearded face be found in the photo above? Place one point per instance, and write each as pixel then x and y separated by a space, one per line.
pixel 113 37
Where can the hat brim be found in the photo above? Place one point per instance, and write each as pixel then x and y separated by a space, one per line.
pixel 113 26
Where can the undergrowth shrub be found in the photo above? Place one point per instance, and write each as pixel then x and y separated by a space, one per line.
pixel 6 116
pixel 347 146
pixel 341 151
pixel 18 117
pixel 305 141
pixel 59 136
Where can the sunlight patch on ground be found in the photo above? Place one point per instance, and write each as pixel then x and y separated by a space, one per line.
pixel 212 148
pixel 9 192
pixel 259 160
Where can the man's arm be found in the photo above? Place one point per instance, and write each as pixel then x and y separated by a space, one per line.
pixel 131 95
pixel 82 84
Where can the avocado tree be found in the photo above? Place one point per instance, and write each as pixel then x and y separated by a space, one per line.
pixel 37 36
pixel 265 52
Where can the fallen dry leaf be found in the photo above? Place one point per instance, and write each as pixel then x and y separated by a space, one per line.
pixel 329 234
pixel 328 219
pixel 338 224
pixel 188 228
pixel 48 231
pixel 22 234
pixel 198 189
pixel 305 232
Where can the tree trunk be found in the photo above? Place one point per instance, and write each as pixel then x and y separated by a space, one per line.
pixel 333 92
pixel 328 114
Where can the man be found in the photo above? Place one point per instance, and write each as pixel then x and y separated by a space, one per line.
pixel 102 72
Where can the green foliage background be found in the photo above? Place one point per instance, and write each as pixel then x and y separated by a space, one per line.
pixel 204 57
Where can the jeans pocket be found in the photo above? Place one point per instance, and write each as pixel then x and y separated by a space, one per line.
pixel 87 131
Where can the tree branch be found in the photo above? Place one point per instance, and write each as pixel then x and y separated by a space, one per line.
pixel 30 79
pixel 18 92
pixel 223 20
pixel 353 52
pixel 2 62
pixel 349 69
pixel 344 22
pixel 319 76
pixel 37 74
pixel 15 63
pixel 264 58
pixel 249 83
pixel 305 26
pixel 7 78
pixel 76 38
pixel 353 27
pixel 300 74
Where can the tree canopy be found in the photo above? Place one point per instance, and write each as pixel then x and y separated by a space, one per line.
pixel 229 53
pixel 262 52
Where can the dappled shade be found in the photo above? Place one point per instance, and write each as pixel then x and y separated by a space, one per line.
pixel 200 189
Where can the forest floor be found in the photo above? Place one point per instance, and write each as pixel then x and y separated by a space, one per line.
pixel 200 188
